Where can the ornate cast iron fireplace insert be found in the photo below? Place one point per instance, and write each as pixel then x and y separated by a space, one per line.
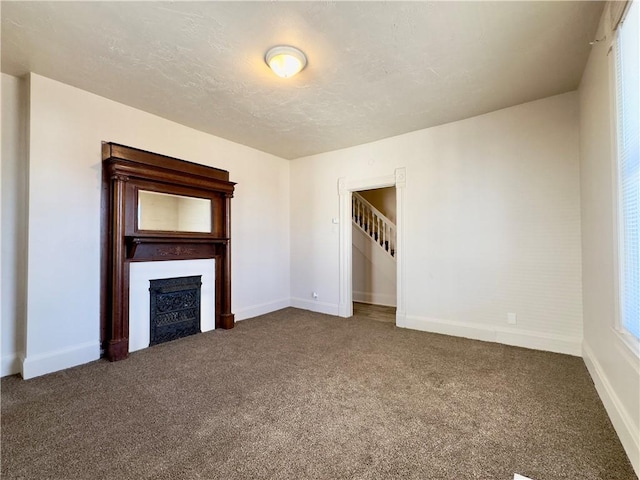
pixel 175 308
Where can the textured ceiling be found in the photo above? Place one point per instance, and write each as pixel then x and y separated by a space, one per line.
pixel 376 69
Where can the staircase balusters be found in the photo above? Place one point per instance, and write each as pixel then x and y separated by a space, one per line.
pixel 353 208
pixel 381 230
pixel 384 235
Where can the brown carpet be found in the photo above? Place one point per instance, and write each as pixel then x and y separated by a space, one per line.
pixel 297 395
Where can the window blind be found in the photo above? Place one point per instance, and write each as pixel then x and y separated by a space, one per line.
pixel 628 126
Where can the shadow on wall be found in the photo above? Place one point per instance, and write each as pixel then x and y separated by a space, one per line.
pixel 384 199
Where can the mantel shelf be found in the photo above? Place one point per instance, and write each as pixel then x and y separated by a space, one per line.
pixel 170 238
pixel 173 246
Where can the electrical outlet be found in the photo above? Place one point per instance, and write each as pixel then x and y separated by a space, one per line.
pixel 315 295
pixel 512 318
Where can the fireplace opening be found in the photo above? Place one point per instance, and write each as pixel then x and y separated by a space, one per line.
pixel 175 308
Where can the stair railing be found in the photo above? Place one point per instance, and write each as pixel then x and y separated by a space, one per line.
pixel 372 222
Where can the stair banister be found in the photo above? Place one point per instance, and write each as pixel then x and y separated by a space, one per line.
pixel 371 221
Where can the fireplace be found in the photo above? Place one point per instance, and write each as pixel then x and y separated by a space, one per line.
pixel 174 308
pixel 157 210
pixel 143 273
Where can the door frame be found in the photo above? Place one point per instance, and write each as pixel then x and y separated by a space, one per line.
pixel 346 186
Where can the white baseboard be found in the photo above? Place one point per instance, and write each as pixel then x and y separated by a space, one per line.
pixel 547 342
pixel 374 298
pixel 622 423
pixel 446 327
pixel 490 333
pixel 10 364
pixel 256 310
pixel 36 365
pixel 315 306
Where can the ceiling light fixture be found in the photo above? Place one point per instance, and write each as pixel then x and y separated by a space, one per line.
pixel 285 61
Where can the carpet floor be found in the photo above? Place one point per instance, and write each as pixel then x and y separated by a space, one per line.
pixel 301 395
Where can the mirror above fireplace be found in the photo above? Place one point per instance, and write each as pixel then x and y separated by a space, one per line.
pixel 166 212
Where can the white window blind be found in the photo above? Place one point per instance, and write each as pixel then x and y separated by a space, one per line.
pixel 628 127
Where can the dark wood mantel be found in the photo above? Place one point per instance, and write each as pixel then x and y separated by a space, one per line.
pixel 125 171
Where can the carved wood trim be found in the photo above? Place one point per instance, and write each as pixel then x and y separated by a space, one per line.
pixel 125 171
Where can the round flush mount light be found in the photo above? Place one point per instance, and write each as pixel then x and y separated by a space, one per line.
pixel 285 61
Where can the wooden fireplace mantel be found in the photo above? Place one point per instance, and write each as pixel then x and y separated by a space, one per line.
pixel 125 171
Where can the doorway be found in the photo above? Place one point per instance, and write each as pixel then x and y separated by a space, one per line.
pixel 374 245
pixel 346 187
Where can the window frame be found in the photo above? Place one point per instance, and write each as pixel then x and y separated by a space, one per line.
pixel 623 333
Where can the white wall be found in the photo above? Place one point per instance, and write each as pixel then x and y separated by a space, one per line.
pixel 66 128
pixel 492 224
pixel 14 225
pixel 613 366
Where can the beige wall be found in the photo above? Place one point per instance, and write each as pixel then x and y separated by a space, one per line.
pixel 614 367
pixel 492 215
